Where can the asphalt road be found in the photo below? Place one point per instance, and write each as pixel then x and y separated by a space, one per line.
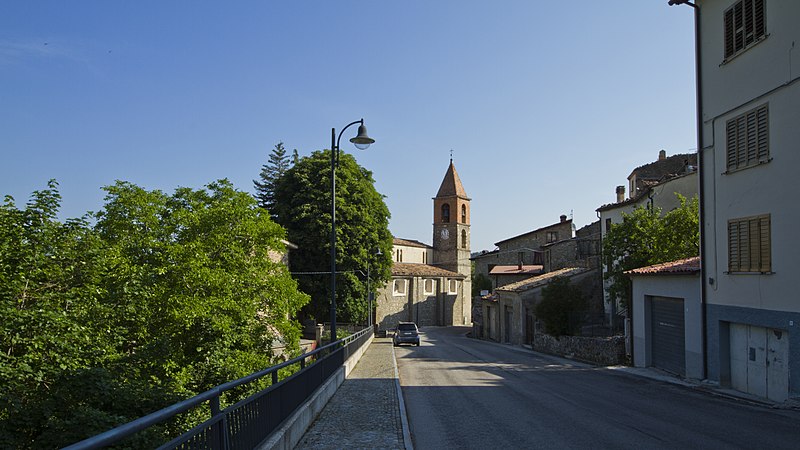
pixel 464 393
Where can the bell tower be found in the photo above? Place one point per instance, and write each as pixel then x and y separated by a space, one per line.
pixel 451 237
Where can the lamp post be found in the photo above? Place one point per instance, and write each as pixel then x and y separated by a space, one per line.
pixel 369 291
pixel 361 141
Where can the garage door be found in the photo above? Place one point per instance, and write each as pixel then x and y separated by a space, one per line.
pixel 759 361
pixel 668 341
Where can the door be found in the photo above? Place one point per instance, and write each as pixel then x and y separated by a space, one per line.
pixel 759 361
pixel 777 365
pixel 529 328
pixel 668 339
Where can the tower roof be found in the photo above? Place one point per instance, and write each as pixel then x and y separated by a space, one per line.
pixel 451 185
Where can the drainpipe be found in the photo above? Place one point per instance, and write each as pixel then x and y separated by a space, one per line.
pixel 700 171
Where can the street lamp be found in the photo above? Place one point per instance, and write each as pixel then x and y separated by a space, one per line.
pixel 361 141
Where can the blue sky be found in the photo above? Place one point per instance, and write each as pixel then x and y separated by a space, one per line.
pixel 547 106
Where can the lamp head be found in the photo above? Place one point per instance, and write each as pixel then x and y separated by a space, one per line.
pixel 362 141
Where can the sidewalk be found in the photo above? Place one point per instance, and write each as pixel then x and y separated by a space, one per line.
pixel 367 410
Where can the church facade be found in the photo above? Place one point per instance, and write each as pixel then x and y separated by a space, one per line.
pixel 431 285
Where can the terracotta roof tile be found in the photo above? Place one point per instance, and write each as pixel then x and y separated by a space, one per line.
pixel 541 280
pixel 409 243
pixel 679 267
pixel 515 270
pixel 421 270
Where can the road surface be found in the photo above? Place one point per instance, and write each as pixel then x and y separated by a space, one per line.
pixel 464 393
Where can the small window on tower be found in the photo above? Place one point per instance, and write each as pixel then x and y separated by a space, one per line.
pixel 446 213
pixel 463 238
pixel 463 213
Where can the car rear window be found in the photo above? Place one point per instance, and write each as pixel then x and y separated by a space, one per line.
pixel 407 327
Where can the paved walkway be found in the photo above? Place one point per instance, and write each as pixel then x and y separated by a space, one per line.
pixel 367 410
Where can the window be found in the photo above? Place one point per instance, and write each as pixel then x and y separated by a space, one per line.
pixel 608 225
pixel 428 286
pixel 745 25
pixel 399 287
pixel 463 213
pixel 552 236
pixel 452 287
pixel 747 138
pixel 463 238
pixel 445 213
pixel 749 248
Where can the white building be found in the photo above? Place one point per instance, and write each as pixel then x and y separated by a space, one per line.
pixel 749 112
pixel 652 185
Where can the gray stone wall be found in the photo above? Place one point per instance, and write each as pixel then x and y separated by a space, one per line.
pixel 532 240
pixel 608 351
pixel 560 255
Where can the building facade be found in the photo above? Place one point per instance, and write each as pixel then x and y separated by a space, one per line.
pixel 749 109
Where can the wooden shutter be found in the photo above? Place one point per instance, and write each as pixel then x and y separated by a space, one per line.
pixel 744 24
pixel 734 258
pixel 747 138
pixel 749 244
pixel 765 244
pixel 762 121
pixel 729 49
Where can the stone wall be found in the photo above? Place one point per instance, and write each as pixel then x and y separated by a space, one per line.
pixel 608 351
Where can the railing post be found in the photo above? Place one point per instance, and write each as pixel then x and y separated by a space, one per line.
pixel 221 426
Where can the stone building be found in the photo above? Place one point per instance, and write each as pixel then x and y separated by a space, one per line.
pixel 431 285
pixel 523 256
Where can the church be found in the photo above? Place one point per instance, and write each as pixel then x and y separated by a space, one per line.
pixel 431 285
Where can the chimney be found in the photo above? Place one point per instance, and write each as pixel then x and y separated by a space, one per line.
pixel 563 218
pixel 620 194
pixel 662 155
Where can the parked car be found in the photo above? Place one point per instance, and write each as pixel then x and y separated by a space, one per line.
pixel 406 333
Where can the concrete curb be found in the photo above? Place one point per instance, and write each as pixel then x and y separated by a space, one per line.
pixel 291 431
pixel 409 445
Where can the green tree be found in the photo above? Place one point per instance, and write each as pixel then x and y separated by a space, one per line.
pixel 561 307
pixel 362 218
pixel 644 238
pixel 193 286
pixel 480 282
pixel 277 165
pixel 165 297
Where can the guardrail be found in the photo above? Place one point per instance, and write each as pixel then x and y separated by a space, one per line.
pixel 248 422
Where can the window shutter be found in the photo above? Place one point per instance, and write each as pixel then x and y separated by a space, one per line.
pixel 729 49
pixel 731 144
pixel 747 138
pixel 752 136
pixel 758 19
pixel 733 247
pixel 765 244
pixel 762 131
pixel 749 245
pixel 744 24
pixel 738 26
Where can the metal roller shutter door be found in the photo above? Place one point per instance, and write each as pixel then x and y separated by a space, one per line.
pixel 668 338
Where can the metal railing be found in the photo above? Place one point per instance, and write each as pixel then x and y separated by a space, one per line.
pixel 248 422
